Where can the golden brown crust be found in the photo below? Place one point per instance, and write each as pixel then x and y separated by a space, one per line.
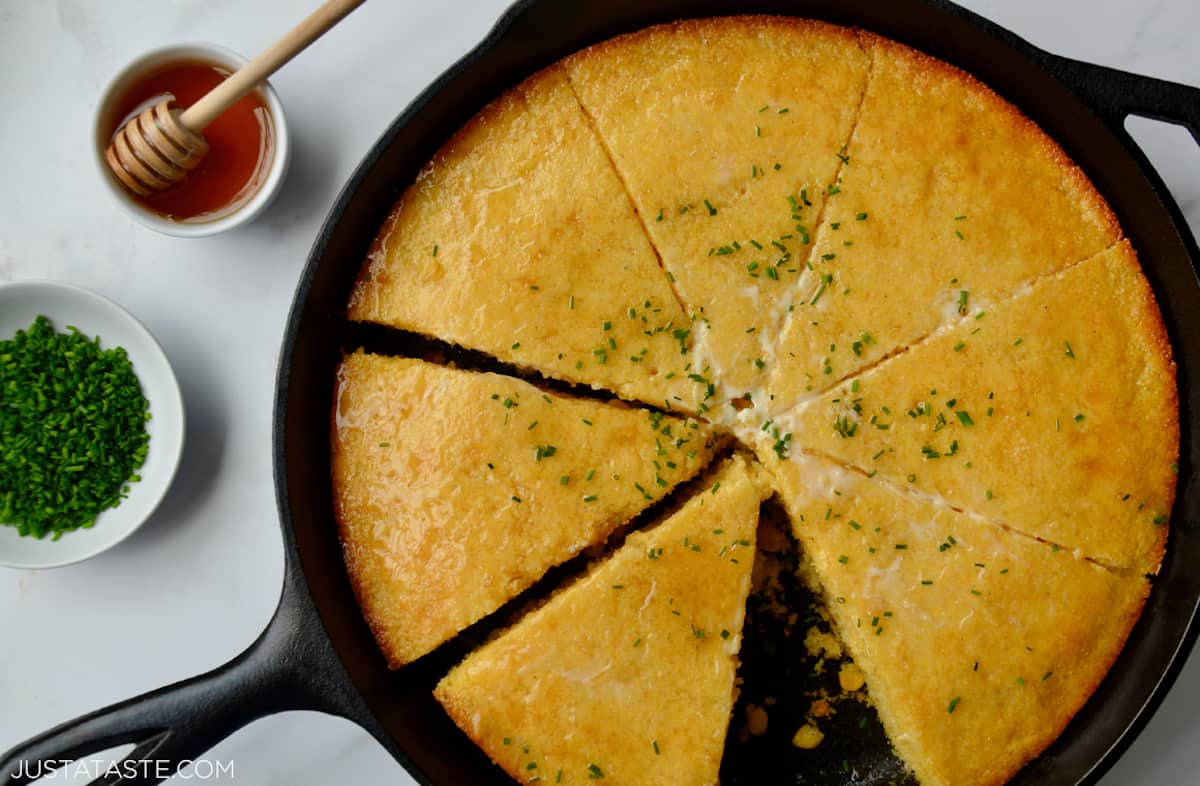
pixel 1053 415
pixel 702 28
pixel 702 120
pixel 1147 325
pixel 946 187
pixel 965 196
pixel 519 240
pixel 628 673
pixel 934 68
pixel 979 644
pixel 450 494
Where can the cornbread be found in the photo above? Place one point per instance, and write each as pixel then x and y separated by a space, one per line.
pixel 1053 414
pixel 455 491
pixel 628 674
pixel 729 137
pixel 843 254
pixel 518 240
pixel 946 189
pixel 979 644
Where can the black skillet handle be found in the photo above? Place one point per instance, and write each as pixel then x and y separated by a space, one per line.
pixel 1115 94
pixel 287 668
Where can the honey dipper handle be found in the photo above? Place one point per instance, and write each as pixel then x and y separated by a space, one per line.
pixel 246 78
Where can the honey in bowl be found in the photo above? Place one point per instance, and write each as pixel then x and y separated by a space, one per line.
pixel 241 142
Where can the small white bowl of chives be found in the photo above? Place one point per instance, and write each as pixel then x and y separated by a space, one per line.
pixel 66 306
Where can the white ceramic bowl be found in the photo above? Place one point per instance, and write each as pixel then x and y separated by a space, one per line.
pixel 105 119
pixel 20 304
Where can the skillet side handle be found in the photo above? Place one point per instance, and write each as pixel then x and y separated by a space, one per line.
pixel 286 668
pixel 1117 94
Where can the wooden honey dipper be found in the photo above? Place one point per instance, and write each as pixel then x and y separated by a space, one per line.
pixel 157 149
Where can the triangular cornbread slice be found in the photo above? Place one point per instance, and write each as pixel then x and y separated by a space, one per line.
pixel 1055 414
pixel 979 644
pixel 950 200
pixel 456 490
pixel 728 133
pixel 628 674
pixel 518 240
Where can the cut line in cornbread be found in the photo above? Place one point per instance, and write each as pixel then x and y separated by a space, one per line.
pixel 728 133
pixel 456 490
pixel 627 674
pixel 950 199
pixel 1053 413
pixel 860 262
pixel 978 644
pixel 518 240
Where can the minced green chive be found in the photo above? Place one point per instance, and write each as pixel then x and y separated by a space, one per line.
pixel 72 429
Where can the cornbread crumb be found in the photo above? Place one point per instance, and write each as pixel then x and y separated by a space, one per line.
pixel 851 677
pixel 822 644
pixel 807 737
pixel 820 708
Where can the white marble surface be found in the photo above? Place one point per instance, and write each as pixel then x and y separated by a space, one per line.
pixel 200 580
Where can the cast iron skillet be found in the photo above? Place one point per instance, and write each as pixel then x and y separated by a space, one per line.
pixel 317 652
